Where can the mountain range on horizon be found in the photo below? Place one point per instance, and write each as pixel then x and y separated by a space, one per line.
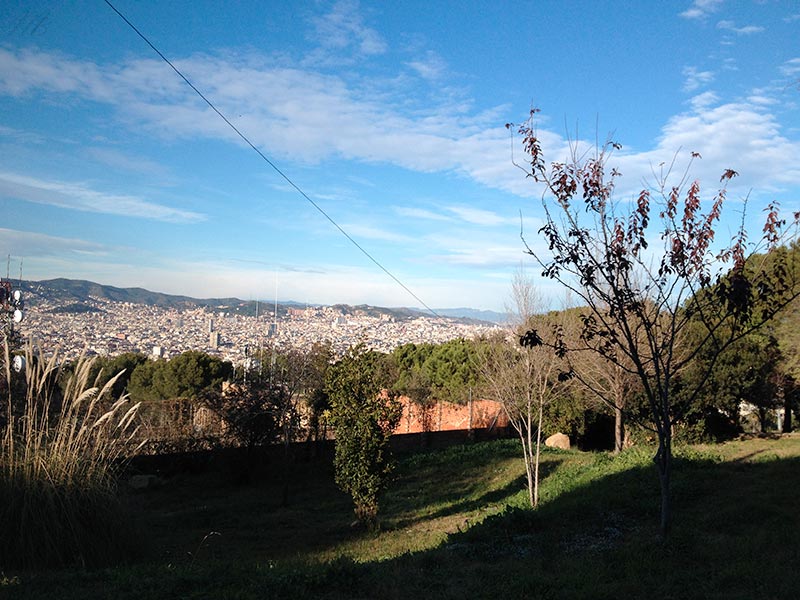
pixel 75 292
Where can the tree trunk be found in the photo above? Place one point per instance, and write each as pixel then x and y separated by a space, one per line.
pixel 619 430
pixel 762 419
pixel 286 457
pixel 526 452
pixel 663 460
pixel 787 413
pixel 538 449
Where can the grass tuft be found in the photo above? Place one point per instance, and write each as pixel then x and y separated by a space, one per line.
pixel 59 456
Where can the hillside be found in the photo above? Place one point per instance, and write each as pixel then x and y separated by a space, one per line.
pixel 455 525
pixel 75 293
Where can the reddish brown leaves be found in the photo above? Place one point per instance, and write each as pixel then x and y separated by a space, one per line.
pixel 609 252
pixel 772 225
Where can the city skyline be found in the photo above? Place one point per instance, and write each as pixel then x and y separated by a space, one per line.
pixel 391 118
pixel 108 328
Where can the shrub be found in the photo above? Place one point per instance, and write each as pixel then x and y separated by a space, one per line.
pixel 59 458
pixel 363 418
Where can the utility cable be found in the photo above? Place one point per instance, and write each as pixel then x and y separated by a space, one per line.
pixel 265 158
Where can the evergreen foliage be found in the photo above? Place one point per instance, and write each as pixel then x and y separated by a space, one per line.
pixel 184 376
pixel 363 416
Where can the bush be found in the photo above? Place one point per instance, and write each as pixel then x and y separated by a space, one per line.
pixel 59 458
pixel 363 418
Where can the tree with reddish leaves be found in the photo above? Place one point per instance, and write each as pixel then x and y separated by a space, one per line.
pixel 644 270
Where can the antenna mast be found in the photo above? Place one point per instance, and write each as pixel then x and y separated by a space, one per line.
pixel 274 329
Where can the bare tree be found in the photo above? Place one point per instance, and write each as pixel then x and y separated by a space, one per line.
pixel 610 383
pixel 637 302
pixel 523 380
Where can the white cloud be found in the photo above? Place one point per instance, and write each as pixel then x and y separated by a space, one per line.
pixel 77 196
pixel 791 67
pixel 745 30
pixel 703 101
pixel 695 78
pixel 311 117
pixel 739 136
pixel 343 28
pixel 326 284
pixel 375 233
pixel 503 251
pixel 420 213
pixel 479 216
pixel 308 116
pixel 430 67
pixel 761 100
pixel 27 244
pixel 729 64
pixel 136 164
pixel 700 9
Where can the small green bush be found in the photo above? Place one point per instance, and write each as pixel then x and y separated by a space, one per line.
pixel 363 419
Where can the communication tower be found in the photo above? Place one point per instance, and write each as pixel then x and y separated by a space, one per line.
pixel 11 313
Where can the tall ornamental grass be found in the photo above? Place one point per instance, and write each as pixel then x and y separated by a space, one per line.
pixel 59 460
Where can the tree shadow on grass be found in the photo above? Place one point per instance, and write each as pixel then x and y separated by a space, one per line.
pixel 734 536
pixel 601 540
pixel 468 505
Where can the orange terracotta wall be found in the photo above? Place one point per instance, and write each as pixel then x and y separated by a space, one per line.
pixel 445 416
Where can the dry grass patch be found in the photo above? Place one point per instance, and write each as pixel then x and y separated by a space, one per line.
pixel 59 455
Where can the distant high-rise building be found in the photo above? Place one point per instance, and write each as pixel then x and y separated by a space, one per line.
pixel 214 339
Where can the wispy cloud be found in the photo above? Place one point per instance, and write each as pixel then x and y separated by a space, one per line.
pixel 695 78
pixel 77 196
pixel 700 9
pixel 482 252
pixel 479 216
pixel 744 30
pixel 24 137
pixel 430 67
pixel 701 102
pixel 376 233
pixel 309 116
pixel 121 160
pixel 791 67
pixel 312 116
pixel 762 100
pixel 343 28
pixel 420 213
pixel 25 244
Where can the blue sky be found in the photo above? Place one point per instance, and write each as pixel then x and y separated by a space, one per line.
pixel 389 115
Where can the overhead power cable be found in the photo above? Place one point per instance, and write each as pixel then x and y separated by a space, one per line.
pixel 265 158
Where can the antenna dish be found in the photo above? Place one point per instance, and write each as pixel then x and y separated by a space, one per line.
pixel 17 295
pixel 18 316
pixel 19 363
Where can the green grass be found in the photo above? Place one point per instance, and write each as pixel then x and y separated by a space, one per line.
pixel 455 525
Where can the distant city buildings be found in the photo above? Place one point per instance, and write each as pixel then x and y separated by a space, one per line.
pixel 116 327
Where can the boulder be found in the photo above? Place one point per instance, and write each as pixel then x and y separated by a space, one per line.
pixel 558 440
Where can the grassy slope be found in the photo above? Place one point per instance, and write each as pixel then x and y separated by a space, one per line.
pixel 455 526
